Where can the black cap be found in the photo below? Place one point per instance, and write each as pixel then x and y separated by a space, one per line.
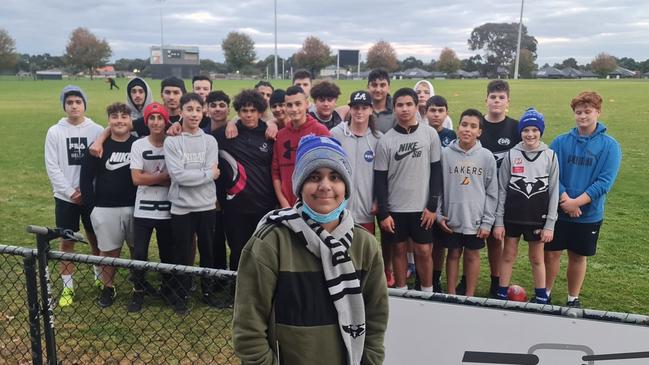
pixel 360 98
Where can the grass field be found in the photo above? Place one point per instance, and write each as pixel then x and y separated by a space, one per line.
pixel 617 278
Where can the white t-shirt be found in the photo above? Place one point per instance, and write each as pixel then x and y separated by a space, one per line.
pixel 151 201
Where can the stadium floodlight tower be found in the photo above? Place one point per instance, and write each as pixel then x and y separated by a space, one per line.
pixel 518 44
pixel 275 39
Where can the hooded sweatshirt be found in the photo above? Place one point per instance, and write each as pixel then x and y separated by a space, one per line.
pixel 65 147
pixel 470 188
pixel 528 191
pixel 587 164
pixel 448 123
pixel 148 98
pixel 189 159
pixel 361 151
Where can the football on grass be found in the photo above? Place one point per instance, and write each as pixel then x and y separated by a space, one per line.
pixel 516 293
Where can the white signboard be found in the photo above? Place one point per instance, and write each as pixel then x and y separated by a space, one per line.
pixel 427 332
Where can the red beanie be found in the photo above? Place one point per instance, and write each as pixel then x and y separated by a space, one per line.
pixel 156 108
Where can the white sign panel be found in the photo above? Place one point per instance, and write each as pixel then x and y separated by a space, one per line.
pixel 427 332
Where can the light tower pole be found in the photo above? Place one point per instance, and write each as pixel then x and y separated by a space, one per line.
pixel 518 46
pixel 275 39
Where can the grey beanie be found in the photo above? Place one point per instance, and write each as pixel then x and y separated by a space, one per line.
pixel 314 152
pixel 73 90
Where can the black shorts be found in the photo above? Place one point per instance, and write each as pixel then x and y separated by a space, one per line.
pixel 67 216
pixel 530 233
pixel 580 238
pixel 439 236
pixel 408 225
pixel 468 241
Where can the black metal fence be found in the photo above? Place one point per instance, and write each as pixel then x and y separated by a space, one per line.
pixel 35 329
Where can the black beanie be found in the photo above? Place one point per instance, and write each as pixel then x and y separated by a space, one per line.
pixel 173 81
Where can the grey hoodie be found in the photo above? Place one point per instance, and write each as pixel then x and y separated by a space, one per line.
pixel 470 188
pixel 135 112
pixel 528 187
pixel 189 159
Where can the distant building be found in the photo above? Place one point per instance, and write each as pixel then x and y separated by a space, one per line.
pixel 106 71
pixel 179 61
pixel 49 75
pixel 621 72
pixel 550 73
pixel 461 74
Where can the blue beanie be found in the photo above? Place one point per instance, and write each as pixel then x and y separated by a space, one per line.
pixel 314 152
pixel 76 91
pixel 531 118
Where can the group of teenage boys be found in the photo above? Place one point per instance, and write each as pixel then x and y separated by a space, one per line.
pixel 183 169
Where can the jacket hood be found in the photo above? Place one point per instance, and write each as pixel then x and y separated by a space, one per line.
pixel 148 98
pixel 63 122
pixel 599 129
pixel 455 146
pixel 521 147
pixel 430 86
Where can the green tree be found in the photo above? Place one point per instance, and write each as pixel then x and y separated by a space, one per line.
pixel 411 62
pixel 382 55
pixel 603 64
pixel 314 55
pixel 526 64
pixel 448 61
pixel 85 51
pixel 570 62
pixel 8 55
pixel 498 41
pixel 239 50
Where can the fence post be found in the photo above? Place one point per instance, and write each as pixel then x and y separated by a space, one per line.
pixel 42 250
pixel 29 264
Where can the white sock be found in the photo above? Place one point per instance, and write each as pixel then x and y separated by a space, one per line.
pixel 403 287
pixel 97 270
pixel 548 292
pixel 427 289
pixel 571 298
pixel 411 257
pixel 67 281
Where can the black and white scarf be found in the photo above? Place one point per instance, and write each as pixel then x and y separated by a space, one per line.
pixel 340 274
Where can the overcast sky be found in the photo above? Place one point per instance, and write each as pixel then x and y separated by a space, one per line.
pixel 420 28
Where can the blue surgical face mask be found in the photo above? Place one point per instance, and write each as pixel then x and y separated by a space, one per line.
pixel 324 218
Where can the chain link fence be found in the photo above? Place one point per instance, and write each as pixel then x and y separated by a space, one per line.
pixel 85 332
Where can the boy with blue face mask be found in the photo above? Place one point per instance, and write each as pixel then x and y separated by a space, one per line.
pixel 309 257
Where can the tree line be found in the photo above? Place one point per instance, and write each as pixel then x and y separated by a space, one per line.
pixel 495 44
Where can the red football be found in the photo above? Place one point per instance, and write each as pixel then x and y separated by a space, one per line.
pixel 516 293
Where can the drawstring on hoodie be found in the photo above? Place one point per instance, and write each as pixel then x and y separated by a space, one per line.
pixel 348 133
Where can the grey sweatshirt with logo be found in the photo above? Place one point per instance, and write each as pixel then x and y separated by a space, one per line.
pixel 189 159
pixel 470 188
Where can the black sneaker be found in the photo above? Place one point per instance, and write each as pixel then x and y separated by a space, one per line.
pixel 107 297
pixel 574 303
pixel 136 301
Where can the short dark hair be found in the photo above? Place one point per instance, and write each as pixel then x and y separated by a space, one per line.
pixel 118 108
pixel 405 91
pixel 378 74
pixel 264 83
pixel 498 86
pixel 173 81
pixel 436 100
pixel 202 78
pixel 190 97
pixel 325 89
pixel 302 74
pixel 249 97
pixel 217 96
pixel 292 90
pixel 472 113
